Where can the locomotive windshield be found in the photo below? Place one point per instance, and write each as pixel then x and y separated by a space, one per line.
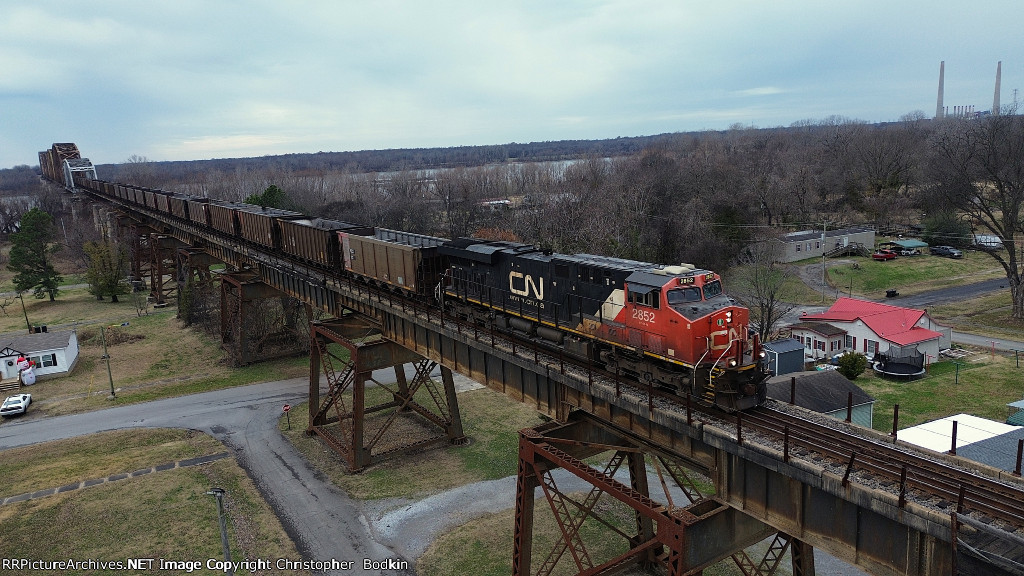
pixel 712 289
pixel 683 295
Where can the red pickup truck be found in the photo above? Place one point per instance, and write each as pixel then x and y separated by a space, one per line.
pixel 884 255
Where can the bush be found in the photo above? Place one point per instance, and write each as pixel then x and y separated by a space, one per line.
pixel 852 364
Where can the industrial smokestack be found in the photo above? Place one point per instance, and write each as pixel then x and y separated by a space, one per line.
pixel 995 99
pixel 942 73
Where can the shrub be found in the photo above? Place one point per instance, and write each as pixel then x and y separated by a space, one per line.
pixel 852 364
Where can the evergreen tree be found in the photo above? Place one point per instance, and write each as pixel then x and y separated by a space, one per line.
pixel 272 197
pixel 30 255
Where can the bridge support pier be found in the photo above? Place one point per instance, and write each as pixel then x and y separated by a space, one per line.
pixel 195 284
pixel 408 415
pixel 253 326
pixel 681 539
pixel 162 264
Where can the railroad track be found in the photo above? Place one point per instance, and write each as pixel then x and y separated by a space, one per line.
pixel 887 465
pixel 868 458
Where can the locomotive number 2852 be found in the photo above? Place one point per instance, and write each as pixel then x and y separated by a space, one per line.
pixel 643 315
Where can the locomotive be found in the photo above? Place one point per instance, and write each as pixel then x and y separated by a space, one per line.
pixel 667 326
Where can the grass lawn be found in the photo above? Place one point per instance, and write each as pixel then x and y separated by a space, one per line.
pixel 160 515
pixel 490 420
pixel 990 315
pixel 983 386
pixel 910 274
pixel 153 357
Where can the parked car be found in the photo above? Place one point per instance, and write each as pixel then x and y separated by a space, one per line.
pixel 15 405
pixel 910 252
pixel 883 255
pixel 947 251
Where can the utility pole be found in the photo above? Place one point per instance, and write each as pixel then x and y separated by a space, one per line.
pixel 219 494
pixel 28 324
pixel 103 336
pixel 824 224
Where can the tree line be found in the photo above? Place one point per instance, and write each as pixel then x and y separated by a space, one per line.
pixel 702 198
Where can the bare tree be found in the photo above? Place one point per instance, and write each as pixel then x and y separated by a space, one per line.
pixel 978 167
pixel 139 171
pixel 760 286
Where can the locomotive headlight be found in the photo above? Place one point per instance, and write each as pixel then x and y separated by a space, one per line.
pixel 762 354
pixel 732 363
pixel 728 316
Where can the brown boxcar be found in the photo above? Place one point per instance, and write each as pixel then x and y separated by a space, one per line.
pixel 197 210
pixel 178 204
pixel 407 261
pixel 316 239
pixel 222 216
pixel 260 225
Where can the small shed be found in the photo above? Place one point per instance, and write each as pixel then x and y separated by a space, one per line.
pixel 1015 413
pixel 54 353
pixel 784 356
pixel 827 392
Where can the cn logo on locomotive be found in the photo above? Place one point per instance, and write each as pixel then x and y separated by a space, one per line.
pixel 527 284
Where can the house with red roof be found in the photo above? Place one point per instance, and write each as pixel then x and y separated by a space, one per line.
pixel 871 328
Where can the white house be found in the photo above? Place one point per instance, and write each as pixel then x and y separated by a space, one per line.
pixel 870 328
pixel 814 243
pixel 54 353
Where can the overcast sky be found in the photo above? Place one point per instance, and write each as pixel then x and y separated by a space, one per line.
pixel 198 79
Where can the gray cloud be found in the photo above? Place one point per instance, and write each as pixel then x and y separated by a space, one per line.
pixel 197 79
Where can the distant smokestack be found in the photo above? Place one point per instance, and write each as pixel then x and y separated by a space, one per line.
pixel 995 99
pixel 942 74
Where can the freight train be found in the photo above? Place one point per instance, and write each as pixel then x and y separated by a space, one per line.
pixel 669 326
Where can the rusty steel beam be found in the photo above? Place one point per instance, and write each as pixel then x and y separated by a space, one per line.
pixel 681 540
pixel 163 266
pixel 252 331
pixel 346 351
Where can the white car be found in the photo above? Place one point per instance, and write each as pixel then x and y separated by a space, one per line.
pixel 16 404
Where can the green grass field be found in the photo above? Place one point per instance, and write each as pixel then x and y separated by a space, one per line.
pixel 160 515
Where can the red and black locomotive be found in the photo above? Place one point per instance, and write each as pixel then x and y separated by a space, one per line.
pixel 671 326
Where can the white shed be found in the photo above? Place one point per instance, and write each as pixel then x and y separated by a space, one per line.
pixel 54 353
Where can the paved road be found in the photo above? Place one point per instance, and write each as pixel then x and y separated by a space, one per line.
pixel 323 521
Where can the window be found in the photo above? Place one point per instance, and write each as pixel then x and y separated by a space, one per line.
pixel 45 360
pixel 797 247
pixel 819 345
pixel 851 342
pixel 807 343
pixel 712 289
pixel 650 299
pixel 872 347
pixel 683 295
pixel 817 244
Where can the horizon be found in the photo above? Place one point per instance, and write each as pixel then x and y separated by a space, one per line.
pixel 200 81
